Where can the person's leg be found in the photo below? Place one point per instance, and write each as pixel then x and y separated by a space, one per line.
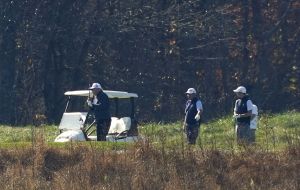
pixel 188 130
pixel 105 128
pixel 102 129
pixel 239 134
pixel 245 133
pixel 192 132
pixel 252 135
pixel 195 132
pixel 242 134
pixel 98 130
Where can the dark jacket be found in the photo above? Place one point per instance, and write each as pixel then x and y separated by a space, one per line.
pixel 241 108
pixel 101 109
pixel 191 111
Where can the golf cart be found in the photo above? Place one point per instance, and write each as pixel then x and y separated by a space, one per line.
pixel 80 126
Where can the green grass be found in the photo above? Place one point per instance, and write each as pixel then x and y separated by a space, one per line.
pixel 274 132
pixel 10 134
pixel 280 130
pixel 27 136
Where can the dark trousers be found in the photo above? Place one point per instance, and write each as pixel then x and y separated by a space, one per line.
pixel 252 135
pixel 243 133
pixel 192 132
pixel 102 129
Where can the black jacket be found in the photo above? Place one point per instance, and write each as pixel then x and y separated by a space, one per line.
pixel 101 108
pixel 191 111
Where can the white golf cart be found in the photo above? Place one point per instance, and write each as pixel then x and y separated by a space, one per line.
pixel 80 126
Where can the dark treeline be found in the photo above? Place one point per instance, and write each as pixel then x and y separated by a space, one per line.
pixel 156 48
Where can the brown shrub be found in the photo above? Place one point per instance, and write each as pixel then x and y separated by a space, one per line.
pixel 145 166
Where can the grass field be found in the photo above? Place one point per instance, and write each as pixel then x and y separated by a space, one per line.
pixel 29 159
pixel 274 132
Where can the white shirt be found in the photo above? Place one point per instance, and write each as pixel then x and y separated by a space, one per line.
pixel 199 105
pixel 95 100
pixel 253 122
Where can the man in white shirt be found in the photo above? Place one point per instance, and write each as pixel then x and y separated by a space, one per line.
pixel 242 114
pixel 193 112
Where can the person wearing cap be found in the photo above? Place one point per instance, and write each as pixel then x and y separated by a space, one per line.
pixel 99 104
pixel 193 111
pixel 242 113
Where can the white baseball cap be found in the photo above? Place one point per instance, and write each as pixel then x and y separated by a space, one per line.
pixel 191 91
pixel 240 89
pixel 95 85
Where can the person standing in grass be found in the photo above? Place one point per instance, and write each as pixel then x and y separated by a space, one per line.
pixel 242 113
pixel 253 123
pixel 99 104
pixel 192 120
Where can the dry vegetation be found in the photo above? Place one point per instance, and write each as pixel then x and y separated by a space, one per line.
pixel 144 166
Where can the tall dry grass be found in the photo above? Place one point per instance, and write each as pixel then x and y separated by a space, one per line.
pixel 146 166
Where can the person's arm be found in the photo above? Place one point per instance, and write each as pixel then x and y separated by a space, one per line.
pixel 235 109
pixel 89 102
pixel 199 110
pixel 254 112
pixel 248 114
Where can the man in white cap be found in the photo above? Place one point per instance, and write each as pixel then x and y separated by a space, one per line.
pixel 242 114
pixel 99 104
pixel 193 111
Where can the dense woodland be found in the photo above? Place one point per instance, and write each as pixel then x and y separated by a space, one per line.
pixel 156 48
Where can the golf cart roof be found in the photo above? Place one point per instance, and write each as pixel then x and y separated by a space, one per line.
pixel 110 94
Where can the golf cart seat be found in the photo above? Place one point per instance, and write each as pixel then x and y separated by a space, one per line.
pixel 118 129
pixel 118 126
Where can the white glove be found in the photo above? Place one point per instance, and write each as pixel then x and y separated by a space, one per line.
pixel 236 116
pixel 197 117
pixel 89 103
